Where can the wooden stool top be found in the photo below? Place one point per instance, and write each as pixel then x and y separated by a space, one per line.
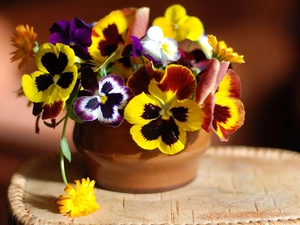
pixel 234 185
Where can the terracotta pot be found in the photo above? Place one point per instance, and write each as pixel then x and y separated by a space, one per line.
pixel 117 163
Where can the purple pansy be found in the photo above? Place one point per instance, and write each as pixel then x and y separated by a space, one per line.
pixel 104 100
pixel 76 34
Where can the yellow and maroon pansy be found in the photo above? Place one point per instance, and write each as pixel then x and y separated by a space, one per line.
pixel 107 34
pixel 139 81
pixel 229 113
pixel 53 82
pixel 162 116
pixel 137 23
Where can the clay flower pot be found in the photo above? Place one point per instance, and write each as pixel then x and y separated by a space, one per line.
pixel 117 163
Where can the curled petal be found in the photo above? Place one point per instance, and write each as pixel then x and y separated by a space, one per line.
pixel 137 22
pixel 208 110
pixel 210 79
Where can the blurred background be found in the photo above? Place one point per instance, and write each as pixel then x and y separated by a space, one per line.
pixel 266 32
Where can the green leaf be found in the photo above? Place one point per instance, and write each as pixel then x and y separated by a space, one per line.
pixel 64 146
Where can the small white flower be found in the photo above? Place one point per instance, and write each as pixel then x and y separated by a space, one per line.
pixel 160 48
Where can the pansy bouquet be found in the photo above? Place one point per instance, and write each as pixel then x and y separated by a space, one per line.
pixel 166 79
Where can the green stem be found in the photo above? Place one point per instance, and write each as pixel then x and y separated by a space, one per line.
pixel 62 163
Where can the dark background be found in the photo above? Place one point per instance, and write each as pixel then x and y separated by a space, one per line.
pixel 266 32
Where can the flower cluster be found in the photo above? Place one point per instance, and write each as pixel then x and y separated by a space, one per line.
pixel 120 68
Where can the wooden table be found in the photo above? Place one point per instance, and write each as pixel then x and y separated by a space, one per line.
pixel 234 185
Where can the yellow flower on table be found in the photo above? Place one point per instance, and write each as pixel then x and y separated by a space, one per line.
pixel 79 201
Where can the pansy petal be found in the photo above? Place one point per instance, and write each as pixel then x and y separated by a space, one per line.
pixel 162 134
pixel 114 96
pixel 109 115
pixel 170 50
pixel 188 114
pixel 230 86
pixel 171 145
pixel 144 137
pixel 173 137
pixel 52 109
pixel 107 34
pixel 86 108
pixel 191 28
pixel 89 79
pixel 137 47
pixel 178 25
pixel 166 25
pixel 67 81
pixel 114 87
pixel 180 80
pixel 151 48
pixel 155 33
pixel 81 32
pixel 140 79
pixel 141 109
pixel 33 91
pixel 229 115
pixel 59 32
pixel 60 55
pixel 175 13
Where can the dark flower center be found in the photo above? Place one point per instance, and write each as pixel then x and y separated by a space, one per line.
pixel 111 42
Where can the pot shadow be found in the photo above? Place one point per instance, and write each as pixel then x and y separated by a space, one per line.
pixel 47 168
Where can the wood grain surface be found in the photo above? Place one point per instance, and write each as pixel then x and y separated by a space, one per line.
pixel 234 185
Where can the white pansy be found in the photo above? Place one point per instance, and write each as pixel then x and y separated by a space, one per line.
pixel 160 48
